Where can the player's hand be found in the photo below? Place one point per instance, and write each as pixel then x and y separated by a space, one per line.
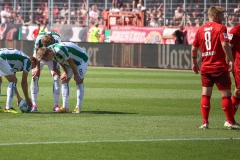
pixel 78 79
pixel 56 72
pixel 19 100
pixel 231 66
pixel 29 102
pixel 64 78
pixel 195 69
pixel 36 72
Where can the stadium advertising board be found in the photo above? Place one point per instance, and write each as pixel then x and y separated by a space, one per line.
pixel 127 55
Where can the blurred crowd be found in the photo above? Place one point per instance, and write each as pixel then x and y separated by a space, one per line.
pixel 174 13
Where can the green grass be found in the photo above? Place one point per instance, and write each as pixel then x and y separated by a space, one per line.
pixel 127 114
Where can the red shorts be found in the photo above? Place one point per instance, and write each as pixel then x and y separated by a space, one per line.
pixel 236 75
pixel 221 79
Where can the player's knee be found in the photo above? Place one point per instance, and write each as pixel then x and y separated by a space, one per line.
pixel 55 78
pixel 35 79
pixel 237 93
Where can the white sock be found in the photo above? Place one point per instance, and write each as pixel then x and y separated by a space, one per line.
pixel 80 94
pixel 34 90
pixel 10 94
pixel 56 90
pixel 65 94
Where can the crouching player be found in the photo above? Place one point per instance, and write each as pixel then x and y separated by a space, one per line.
pixel 74 61
pixel 12 61
pixel 45 39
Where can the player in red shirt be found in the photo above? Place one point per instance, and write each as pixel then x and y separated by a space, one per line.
pixel 212 39
pixel 234 40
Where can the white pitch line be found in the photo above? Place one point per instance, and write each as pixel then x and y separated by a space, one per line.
pixel 117 141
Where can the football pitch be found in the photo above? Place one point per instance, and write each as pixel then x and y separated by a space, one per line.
pixel 133 114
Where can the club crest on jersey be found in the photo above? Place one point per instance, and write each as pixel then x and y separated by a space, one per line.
pixel 225 35
pixel 230 36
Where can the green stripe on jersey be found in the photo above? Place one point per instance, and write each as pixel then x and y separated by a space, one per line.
pixel 78 53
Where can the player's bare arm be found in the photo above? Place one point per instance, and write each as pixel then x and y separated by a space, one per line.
pixel 36 71
pixel 227 49
pixel 55 70
pixel 24 85
pixel 195 66
pixel 75 72
pixel 64 77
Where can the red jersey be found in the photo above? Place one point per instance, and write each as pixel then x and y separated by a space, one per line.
pixel 234 39
pixel 35 33
pixel 209 38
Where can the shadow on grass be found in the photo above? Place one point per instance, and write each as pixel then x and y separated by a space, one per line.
pixel 83 112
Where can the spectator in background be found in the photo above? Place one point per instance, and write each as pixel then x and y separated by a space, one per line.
pixel 93 13
pixel 178 13
pixel 232 20
pixel 138 9
pixel 18 9
pixel 42 29
pixel 83 10
pixel 38 19
pixel 153 23
pixel 56 11
pixel 128 7
pixel 63 12
pixel 117 3
pixel 135 3
pixel 19 20
pixel 94 33
pixel 5 15
pixel 237 10
pixel 179 35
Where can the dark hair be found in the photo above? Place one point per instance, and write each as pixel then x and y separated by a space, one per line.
pixel 47 40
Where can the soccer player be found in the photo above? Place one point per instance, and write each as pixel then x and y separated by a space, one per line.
pixel 45 39
pixel 212 39
pixel 234 40
pixel 12 61
pixel 74 61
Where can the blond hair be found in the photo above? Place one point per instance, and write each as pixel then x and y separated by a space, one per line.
pixel 214 10
pixel 41 52
pixel 47 40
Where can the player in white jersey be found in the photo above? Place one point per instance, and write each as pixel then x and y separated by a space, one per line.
pixel 12 61
pixel 45 39
pixel 74 61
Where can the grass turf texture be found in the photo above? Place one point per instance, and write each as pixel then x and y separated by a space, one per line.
pixel 127 114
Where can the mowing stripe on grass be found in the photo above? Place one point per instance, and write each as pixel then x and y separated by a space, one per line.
pixel 118 141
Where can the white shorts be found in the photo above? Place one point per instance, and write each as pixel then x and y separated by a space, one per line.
pixel 5 68
pixel 81 70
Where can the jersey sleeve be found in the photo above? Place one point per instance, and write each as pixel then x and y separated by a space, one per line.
pixel 196 40
pixel 27 65
pixel 223 34
pixel 61 53
pixel 233 36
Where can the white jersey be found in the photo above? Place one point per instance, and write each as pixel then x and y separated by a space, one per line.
pixel 17 60
pixel 64 50
pixel 38 43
